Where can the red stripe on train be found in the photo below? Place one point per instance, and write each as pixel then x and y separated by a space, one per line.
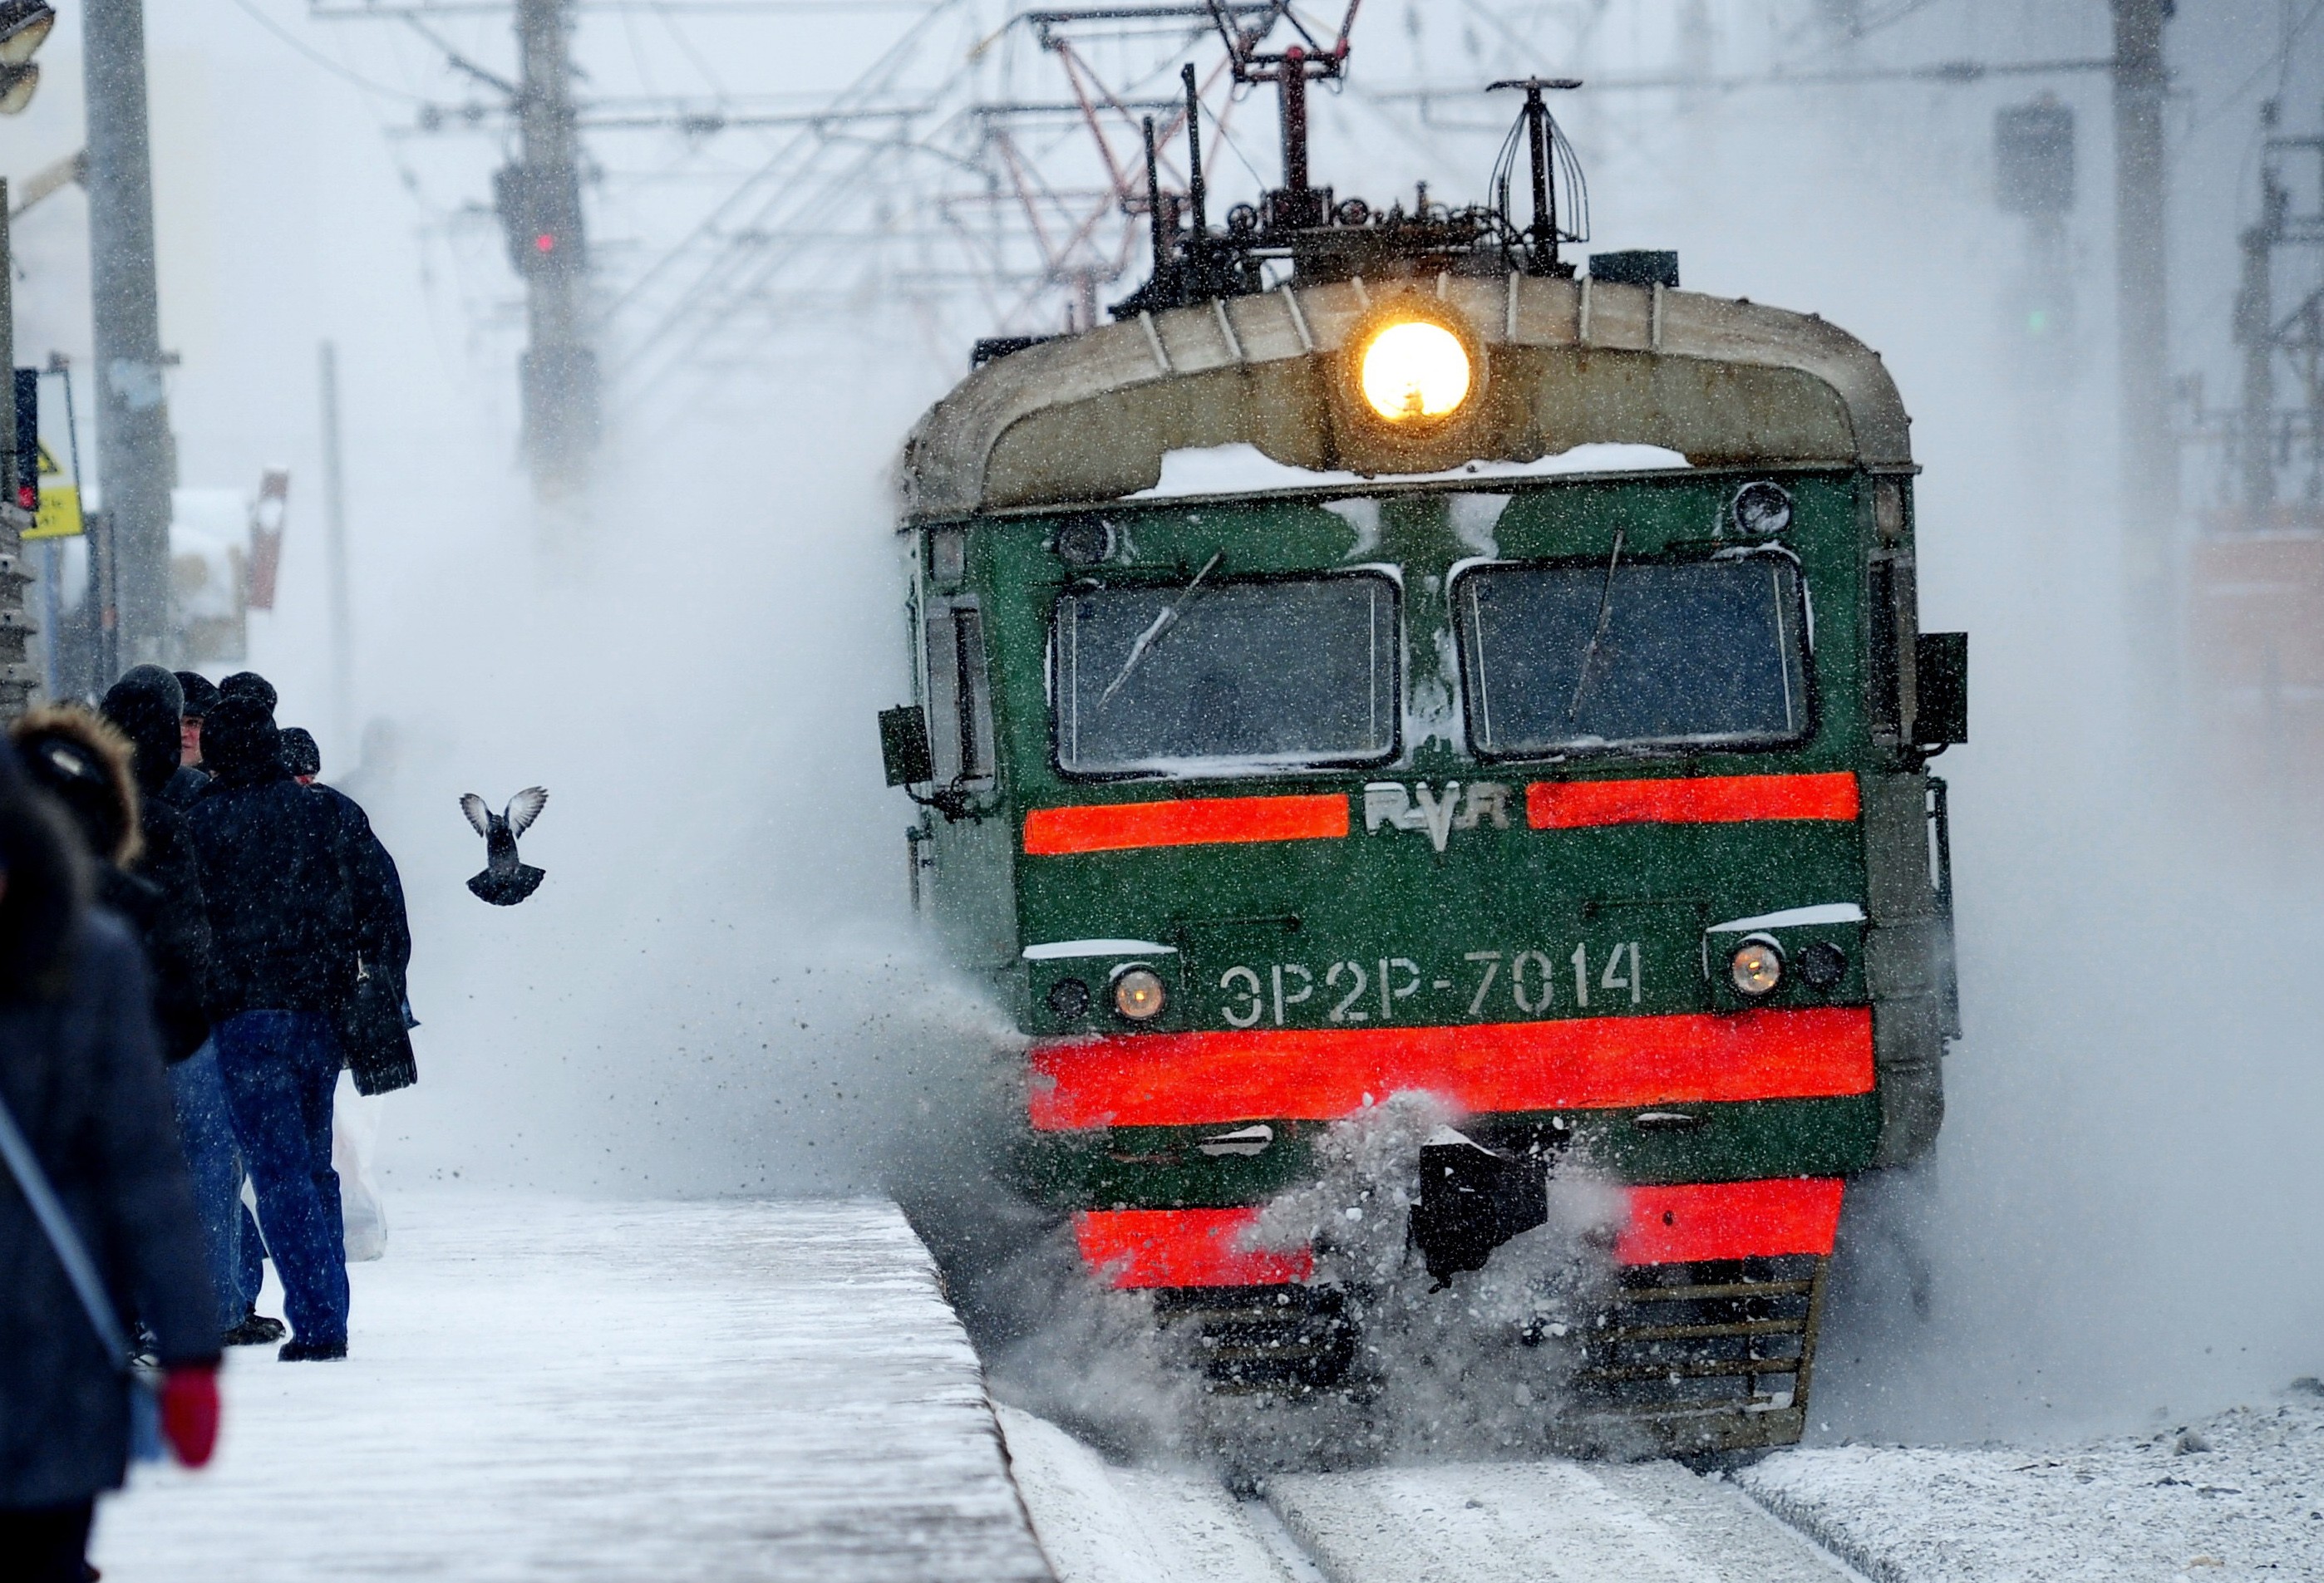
pixel 1183 1247
pixel 1103 827
pixel 1144 1248
pixel 1723 799
pixel 1731 1219
pixel 1321 1074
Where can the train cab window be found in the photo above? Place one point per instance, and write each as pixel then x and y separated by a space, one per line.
pixel 1652 655
pixel 1227 677
pixel 960 698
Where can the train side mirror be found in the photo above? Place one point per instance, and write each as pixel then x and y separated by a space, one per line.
pixel 1941 689
pixel 904 746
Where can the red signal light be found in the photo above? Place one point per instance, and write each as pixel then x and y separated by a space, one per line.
pixel 544 242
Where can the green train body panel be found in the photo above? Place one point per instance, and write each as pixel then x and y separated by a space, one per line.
pixel 1383 928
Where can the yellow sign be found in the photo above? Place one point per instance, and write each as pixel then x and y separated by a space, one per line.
pixel 59 514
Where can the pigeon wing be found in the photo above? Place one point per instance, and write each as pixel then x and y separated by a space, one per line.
pixel 478 816
pixel 525 807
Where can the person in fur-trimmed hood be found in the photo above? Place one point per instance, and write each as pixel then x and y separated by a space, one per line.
pixel 144 868
pixel 81 1075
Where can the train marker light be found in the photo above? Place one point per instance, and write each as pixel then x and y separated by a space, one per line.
pixel 1069 999
pixel 1137 994
pixel 1757 967
pixel 1414 369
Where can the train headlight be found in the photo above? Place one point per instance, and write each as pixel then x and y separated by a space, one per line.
pixel 1137 994
pixel 1413 369
pixel 1757 967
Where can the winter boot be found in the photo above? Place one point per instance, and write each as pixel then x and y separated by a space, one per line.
pixel 301 1350
pixel 254 1329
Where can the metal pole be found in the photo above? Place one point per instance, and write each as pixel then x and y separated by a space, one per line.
pixel 335 544
pixel 1292 77
pixel 1196 189
pixel 1545 219
pixel 2150 467
pixel 16 676
pixel 135 457
pixel 559 368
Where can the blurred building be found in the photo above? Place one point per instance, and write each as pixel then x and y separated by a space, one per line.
pixel 2255 572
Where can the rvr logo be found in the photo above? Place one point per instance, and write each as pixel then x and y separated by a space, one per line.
pixel 1392 804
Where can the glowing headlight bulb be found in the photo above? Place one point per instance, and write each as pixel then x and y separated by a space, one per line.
pixel 1757 967
pixel 1414 370
pixel 1138 995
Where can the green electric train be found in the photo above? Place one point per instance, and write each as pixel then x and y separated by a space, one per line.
pixel 1388 659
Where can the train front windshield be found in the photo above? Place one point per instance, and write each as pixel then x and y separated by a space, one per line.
pixel 1576 658
pixel 1224 676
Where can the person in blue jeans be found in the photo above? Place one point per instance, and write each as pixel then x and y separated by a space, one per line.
pixel 237 1254
pixel 161 892
pixel 283 957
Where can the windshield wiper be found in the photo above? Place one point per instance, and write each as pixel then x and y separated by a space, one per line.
pixel 1153 634
pixel 1598 631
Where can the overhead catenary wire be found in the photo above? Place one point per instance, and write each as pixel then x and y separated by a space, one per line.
pixel 250 9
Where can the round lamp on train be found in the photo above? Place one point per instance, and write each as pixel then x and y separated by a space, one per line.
pixel 1414 369
pixel 1757 967
pixel 1137 994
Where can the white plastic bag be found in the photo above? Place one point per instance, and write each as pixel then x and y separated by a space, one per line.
pixel 354 1138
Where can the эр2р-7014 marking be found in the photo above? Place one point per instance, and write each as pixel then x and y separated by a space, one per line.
pixel 1590 799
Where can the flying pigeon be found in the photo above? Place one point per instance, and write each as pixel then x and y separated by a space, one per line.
pixel 505 881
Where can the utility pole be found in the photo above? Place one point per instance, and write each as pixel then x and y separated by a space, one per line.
pixel 2150 462
pixel 335 545
pixel 540 202
pixel 16 675
pixel 136 458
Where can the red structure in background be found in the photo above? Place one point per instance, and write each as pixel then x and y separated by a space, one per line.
pixel 2255 571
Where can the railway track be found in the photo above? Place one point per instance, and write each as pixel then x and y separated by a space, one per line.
pixel 1546 1522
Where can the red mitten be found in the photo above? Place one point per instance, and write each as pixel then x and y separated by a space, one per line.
pixel 190 1413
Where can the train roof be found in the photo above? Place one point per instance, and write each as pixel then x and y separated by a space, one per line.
pixel 1087 419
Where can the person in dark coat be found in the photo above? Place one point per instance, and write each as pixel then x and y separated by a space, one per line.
pixel 198 695
pixel 145 705
pixel 382 922
pixel 80 1073
pixel 283 953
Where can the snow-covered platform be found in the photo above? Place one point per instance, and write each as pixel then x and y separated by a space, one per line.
pixel 570 1390
pixel 2236 1497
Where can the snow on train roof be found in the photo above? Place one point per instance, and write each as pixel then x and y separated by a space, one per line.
pixel 1242 468
pixel 1090 417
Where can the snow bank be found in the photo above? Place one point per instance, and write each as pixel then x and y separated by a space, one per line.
pixel 2238 1495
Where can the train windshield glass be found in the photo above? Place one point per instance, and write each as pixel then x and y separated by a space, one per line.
pixel 1577 658
pixel 1212 677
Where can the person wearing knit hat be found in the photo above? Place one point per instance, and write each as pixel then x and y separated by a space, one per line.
pixel 283 955
pixel 198 697
pixel 302 756
pixel 249 684
pixel 145 705
pixel 201 698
